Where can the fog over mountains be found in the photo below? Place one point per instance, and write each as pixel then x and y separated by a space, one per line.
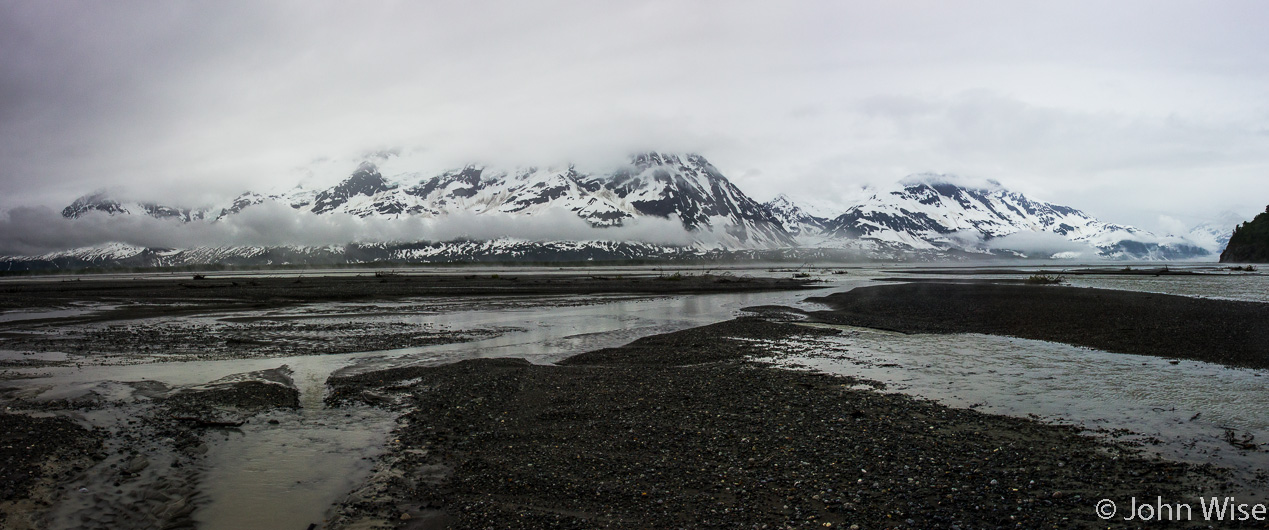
pixel 657 206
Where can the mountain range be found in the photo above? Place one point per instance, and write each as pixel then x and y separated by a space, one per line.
pixel 926 216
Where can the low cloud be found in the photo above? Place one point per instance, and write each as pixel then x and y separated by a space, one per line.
pixel 966 238
pixel 1033 243
pixel 38 230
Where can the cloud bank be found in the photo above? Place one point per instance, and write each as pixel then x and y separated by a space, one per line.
pixel 1043 243
pixel 38 230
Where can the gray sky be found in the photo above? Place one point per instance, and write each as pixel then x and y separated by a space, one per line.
pixel 1154 113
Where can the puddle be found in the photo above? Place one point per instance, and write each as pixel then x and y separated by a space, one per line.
pixel 1180 411
pixel 8 356
pixel 16 316
pixel 288 475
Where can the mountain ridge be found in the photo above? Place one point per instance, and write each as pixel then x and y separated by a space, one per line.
pixel 926 214
pixel 931 211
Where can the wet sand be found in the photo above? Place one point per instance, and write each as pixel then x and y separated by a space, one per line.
pixel 1218 331
pixel 685 430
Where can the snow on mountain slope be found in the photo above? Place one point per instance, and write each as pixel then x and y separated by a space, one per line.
pixel 99 201
pixel 1214 235
pixel 938 212
pixel 357 194
pixel 93 202
pixel 692 189
pixel 795 219
pixel 1211 236
pixel 926 214
pixel 524 191
pixel 106 252
pixel 712 209
pixel 243 201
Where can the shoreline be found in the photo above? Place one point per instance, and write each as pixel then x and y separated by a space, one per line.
pixel 212 293
pixel 131 321
pixel 1233 333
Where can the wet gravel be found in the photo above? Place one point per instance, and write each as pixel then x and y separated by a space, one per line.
pixel 35 453
pixel 141 471
pixel 150 296
pixel 244 398
pixel 682 430
pixel 185 340
pixel 130 321
pixel 1218 331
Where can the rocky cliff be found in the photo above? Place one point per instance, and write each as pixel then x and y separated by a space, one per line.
pixel 1250 242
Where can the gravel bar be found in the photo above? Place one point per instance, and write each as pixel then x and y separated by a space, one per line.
pixel 685 430
pixel 1217 331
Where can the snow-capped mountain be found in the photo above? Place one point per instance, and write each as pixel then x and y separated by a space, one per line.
pixel 243 201
pixel 1211 236
pixel 939 212
pixel 693 190
pixel 1214 235
pixel 99 201
pixel 689 188
pixel 926 216
pixel 473 189
pixel 356 194
pixel 794 218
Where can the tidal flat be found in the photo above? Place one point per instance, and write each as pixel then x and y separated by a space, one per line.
pixel 634 399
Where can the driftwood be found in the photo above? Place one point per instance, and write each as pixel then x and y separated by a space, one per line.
pixel 1246 442
pixel 207 285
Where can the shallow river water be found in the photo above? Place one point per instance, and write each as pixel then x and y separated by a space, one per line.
pixel 1183 411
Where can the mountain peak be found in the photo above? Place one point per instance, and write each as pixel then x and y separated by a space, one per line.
pixel 652 158
pixel 96 201
pixel 793 217
pixel 100 201
pixel 781 200
pixel 948 179
pixel 366 180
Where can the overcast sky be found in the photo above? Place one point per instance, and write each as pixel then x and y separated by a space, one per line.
pixel 1154 113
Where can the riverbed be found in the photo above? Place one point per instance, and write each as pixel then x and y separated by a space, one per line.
pixel 261 471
